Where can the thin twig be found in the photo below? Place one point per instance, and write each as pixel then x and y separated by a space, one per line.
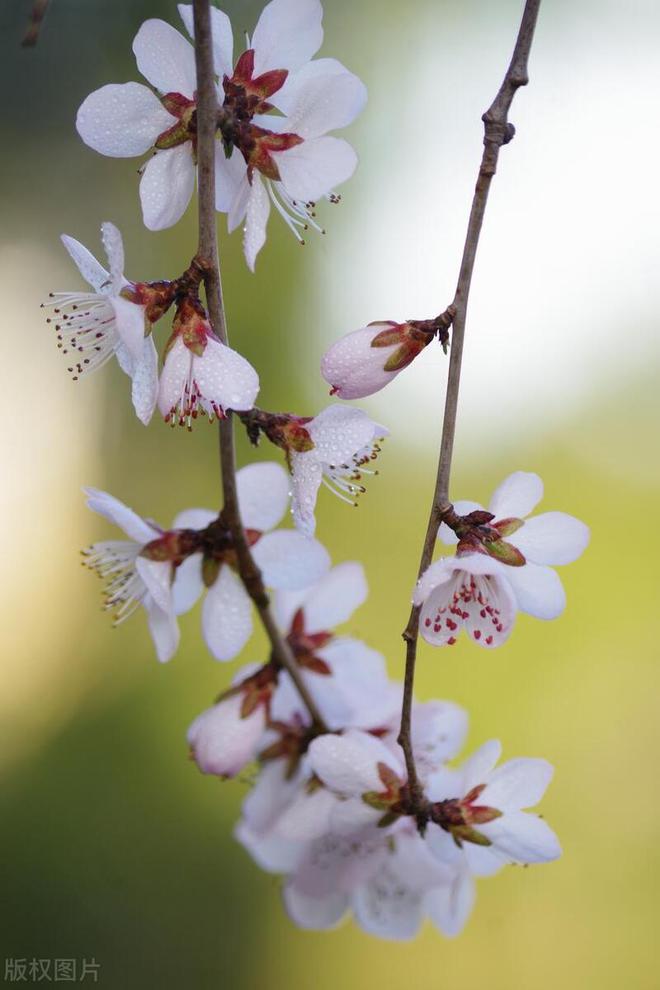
pixel 207 258
pixel 37 15
pixel 497 131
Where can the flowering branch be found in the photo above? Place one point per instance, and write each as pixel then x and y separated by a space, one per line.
pixel 207 258
pixel 497 132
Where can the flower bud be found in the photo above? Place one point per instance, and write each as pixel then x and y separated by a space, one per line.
pixel 223 740
pixel 366 360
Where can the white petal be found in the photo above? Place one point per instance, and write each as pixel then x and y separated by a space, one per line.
pixel 270 852
pixel 166 186
pixel 230 174
pixel 144 392
pixel 288 34
pixel 354 368
pixel 314 168
pixel 226 377
pixel 157 576
pixel 223 742
pixel 551 538
pixel 338 432
pixel 461 508
pixel 307 476
pixel 538 590
pixel 188 585
pixel 226 616
pixel 340 862
pixel 517 784
pixel 344 765
pixel 321 97
pixel 119 514
pixel 194 518
pixel 122 120
pixel 91 270
pixel 223 42
pixel 286 604
pixel 439 573
pixel 335 597
pixel 131 323
pixel 164 630
pixel 114 251
pixel 263 494
pixel 387 906
pixel 439 729
pixel 256 218
pixel 523 838
pixel 450 906
pixel 165 58
pixel 239 204
pixel 307 816
pixel 176 370
pixel 314 913
pixel 289 559
pixel 477 767
pixel 516 496
pixel 270 796
pixel 483 861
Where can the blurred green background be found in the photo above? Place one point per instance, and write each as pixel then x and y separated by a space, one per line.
pixel 114 846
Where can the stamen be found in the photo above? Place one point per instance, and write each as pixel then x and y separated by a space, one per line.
pixel 86 326
pixel 114 562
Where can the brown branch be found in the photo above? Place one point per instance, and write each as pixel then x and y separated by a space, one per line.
pixel 37 15
pixel 497 131
pixel 208 260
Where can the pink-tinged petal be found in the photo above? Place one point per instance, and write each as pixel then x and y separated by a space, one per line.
pixel 223 41
pixel 519 783
pixel 226 616
pixel 188 585
pixel 165 58
pixel 288 34
pixel 116 512
pixel 225 377
pixel 164 630
pixel 516 496
pixel 338 432
pixel 122 120
pixel 344 765
pixel 307 476
pixel 538 590
pixel 314 913
pixel 270 852
pixel 114 252
pixel 144 390
pixel 551 538
pixel 166 186
pixel 131 322
pixel 388 906
pixel 314 168
pixel 176 370
pixel 91 270
pixel 230 175
pixel 256 218
pixel 461 508
pixel 289 559
pixel 477 767
pixel 194 519
pixel 323 96
pixel 523 838
pixel 222 741
pixel 263 494
pixel 450 906
pixel 336 596
pixel 354 368
pixel 157 576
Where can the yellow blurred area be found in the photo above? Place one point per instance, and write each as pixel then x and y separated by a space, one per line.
pixel 115 846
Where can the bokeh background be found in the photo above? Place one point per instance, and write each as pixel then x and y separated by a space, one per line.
pixel 113 846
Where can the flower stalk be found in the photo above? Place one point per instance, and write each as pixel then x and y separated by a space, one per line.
pixel 497 132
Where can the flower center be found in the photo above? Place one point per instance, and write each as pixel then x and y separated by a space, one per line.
pixel 114 562
pixel 86 329
pixel 473 601
pixel 345 480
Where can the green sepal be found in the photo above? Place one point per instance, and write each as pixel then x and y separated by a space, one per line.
pixel 210 571
pixel 507 527
pixel 505 552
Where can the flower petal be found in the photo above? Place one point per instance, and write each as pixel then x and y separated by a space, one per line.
pixel 538 590
pixel 119 514
pixel 338 432
pixel 314 913
pixel 223 41
pixel 188 585
pixel 194 518
pixel 91 270
pixel 289 559
pixel 131 323
pixel 114 252
pixel 144 391
pixel 551 538
pixel 256 218
pixel 165 58
pixel 164 630
pixel 226 616
pixel 230 174
pixel 335 597
pixel 222 741
pixel 288 34
pixel 307 476
pixel 176 370
pixel 226 377
pixel 122 119
pixel 461 508
pixel 314 168
pixel 345 765
pixel 263 494
pixel 517 784
pixel 516 496
pixel 477 767
pixel 523 838
pixel 157 576
pixel 450 906
pixel 388 906
pixel 166 186
pixel 321 97
pixel 270 852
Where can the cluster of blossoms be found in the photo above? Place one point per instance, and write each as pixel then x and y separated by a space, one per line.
pixel 336 809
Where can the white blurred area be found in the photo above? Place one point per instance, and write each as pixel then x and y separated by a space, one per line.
pixel 566 294
pixel 50 449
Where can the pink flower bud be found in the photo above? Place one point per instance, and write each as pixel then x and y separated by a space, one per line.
pixel 222 740
pixel 366 360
